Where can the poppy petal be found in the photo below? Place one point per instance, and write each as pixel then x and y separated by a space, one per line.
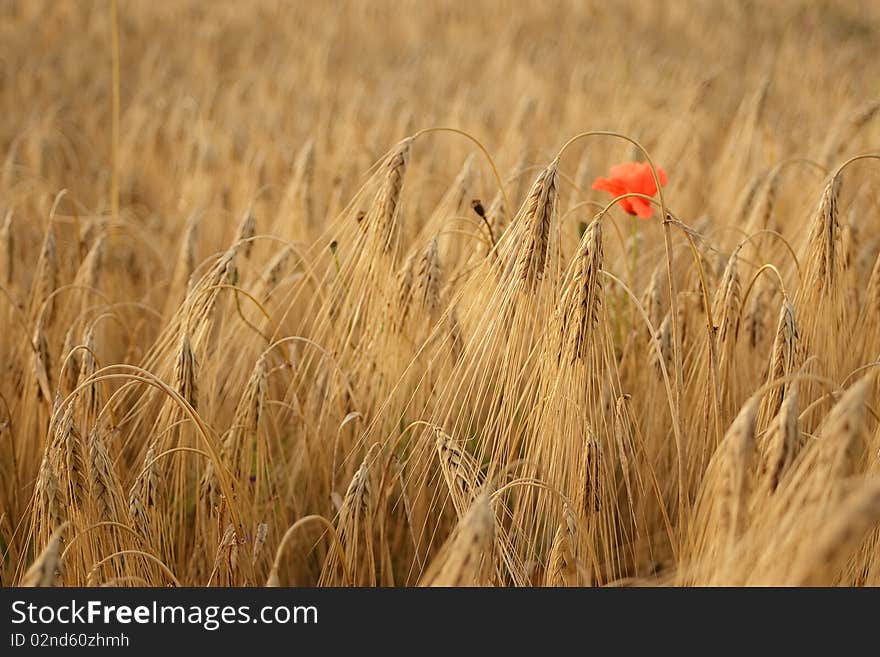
pixel 633 177
pixel 626 206
pixel 607 185
pixel 624 170
pixel 646 183
pixel 642 208
pixel 601 184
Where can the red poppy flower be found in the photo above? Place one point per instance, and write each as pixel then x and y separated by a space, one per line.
pixel 632 177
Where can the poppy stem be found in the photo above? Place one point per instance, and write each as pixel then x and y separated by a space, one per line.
pixel 634 255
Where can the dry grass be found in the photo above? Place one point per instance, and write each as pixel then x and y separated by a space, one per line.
pixel 330 304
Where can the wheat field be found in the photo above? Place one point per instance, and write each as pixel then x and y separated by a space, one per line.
pixel 343 294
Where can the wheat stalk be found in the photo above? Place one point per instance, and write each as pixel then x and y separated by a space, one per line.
pixel 45 569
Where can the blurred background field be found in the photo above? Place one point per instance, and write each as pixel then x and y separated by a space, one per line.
pixel 218 97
